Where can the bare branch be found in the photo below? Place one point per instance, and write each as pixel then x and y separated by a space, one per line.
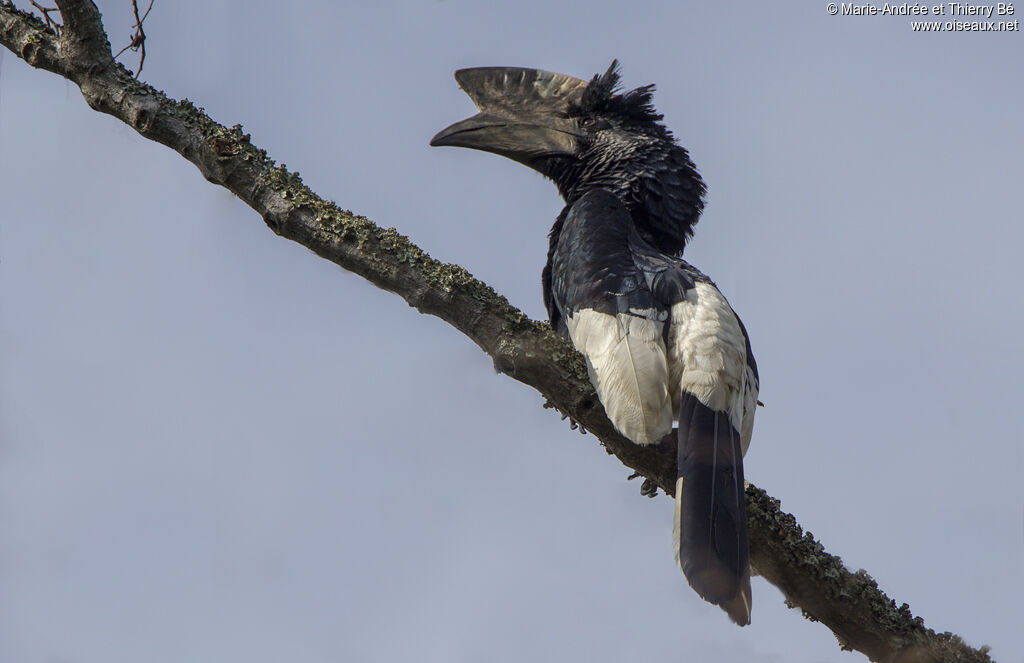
pixel 50 23
pixel 138 37
pixel 850 604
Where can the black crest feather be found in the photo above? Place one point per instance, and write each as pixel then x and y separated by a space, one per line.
pixel 602 96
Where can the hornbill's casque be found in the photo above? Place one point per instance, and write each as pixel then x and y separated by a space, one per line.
pixel 661 342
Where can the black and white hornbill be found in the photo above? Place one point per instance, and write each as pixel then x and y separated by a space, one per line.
pixel 660 340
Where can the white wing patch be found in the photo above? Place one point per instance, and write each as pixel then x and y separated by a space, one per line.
pixel 707 354
pixel 627 362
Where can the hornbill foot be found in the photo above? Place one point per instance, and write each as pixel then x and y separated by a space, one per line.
pixel 648 488
pixel 573 424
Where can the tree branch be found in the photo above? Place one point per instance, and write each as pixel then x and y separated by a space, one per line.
pixel 850 604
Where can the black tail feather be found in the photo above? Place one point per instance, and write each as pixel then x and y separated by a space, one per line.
pixel 711 514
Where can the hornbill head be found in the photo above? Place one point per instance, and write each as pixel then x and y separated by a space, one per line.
pixel 585 134
pixel 523 114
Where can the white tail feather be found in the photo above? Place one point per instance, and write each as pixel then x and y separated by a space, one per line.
pixel 677 522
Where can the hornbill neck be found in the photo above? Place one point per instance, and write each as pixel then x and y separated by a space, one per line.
pixel 661 189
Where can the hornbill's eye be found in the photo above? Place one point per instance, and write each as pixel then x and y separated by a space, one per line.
pixel 592 123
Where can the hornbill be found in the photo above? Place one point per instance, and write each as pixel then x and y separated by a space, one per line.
pixel 661 342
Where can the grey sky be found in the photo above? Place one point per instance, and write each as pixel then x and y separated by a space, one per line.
pixel 215 446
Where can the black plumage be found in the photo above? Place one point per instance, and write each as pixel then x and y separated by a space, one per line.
pixel 661 342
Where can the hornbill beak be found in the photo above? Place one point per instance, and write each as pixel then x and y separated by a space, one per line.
pixel 523 113
pixel 525 139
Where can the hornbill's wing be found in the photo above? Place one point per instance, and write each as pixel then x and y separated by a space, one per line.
pixel 608 310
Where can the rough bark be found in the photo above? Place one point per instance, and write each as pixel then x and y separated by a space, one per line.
pixel 860 615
